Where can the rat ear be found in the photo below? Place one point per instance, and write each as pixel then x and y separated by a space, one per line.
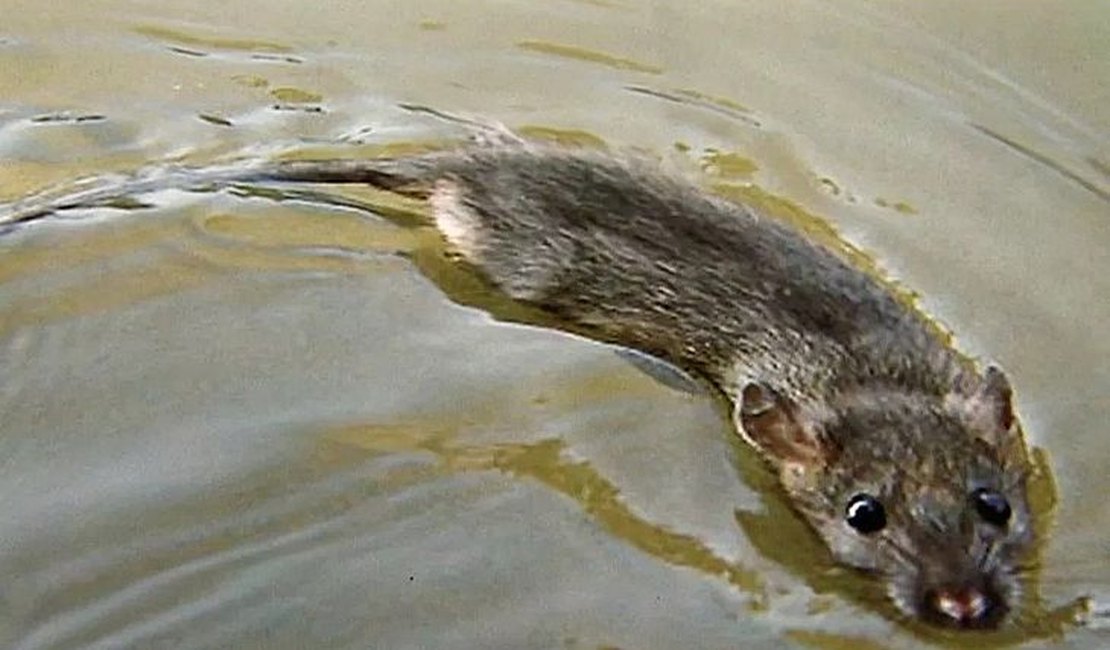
pixel 771 422
pixel 988 404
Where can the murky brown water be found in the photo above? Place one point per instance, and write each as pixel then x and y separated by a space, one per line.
pixel 238 423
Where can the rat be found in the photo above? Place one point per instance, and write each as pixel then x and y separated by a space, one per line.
pixel 902 456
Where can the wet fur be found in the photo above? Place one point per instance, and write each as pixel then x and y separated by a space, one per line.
pixel 841 387
pixel 859 392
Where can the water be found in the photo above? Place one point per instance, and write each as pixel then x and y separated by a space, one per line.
pixel 231 422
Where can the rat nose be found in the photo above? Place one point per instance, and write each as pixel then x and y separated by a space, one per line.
pixel 964 606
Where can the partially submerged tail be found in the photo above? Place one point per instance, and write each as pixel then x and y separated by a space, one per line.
pixel 412 176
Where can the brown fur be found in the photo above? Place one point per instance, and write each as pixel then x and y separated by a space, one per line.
pixel 842 388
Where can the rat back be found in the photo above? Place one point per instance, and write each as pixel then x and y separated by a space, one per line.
pixel 653 262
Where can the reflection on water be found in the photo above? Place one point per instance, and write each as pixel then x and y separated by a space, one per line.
pixel 282 417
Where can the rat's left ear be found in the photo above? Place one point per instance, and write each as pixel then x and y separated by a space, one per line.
pixel 987 403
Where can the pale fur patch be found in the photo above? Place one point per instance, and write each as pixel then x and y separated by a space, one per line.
pixel 457 222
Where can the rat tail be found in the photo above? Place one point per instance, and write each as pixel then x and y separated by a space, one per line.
pixel 411 176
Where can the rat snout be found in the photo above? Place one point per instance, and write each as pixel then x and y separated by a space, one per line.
pixel 964 605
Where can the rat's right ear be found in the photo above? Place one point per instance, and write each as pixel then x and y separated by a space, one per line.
pixel 986 404
pixel 771 422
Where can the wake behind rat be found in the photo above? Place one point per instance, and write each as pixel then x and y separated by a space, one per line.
pixel 904 458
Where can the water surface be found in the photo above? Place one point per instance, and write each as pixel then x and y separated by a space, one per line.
pixel 233 422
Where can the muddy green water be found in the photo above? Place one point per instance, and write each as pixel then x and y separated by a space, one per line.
pixel 231 422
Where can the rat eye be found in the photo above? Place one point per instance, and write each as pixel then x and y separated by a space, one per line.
pixel 991 506
pixel 865 514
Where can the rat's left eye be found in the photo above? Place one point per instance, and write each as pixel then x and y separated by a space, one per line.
pixel 991 506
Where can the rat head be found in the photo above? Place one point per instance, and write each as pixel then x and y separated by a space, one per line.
pixel 927 491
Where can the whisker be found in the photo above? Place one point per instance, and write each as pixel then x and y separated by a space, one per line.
pixel 904 554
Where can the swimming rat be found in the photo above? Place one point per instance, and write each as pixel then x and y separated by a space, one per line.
pixel 905 460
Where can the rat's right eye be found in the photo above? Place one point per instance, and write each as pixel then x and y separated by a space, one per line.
pixel 992 506
pixel 865 514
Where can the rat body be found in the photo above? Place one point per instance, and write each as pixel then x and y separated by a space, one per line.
pixel 903 458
